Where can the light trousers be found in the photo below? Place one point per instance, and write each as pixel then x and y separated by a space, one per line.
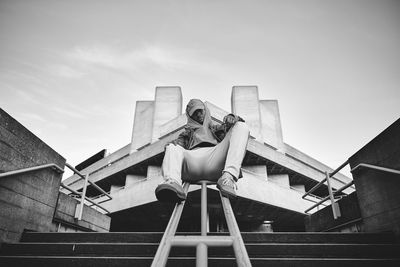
pixel 207 163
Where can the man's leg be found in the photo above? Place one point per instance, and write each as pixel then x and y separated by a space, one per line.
pixel 230 153
pixel 171 190
pixel 172 163
pixel 239 135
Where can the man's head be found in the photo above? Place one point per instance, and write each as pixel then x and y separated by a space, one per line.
pixel 196 110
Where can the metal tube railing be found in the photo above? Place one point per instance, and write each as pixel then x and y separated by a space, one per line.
pixel 161 257
pixel 374 167
pixel 90 182
pixel 203 241
pixel 331 194
pixel 35 168
pixel 242 257
pixel 79 212
pixel 87 199
pixel 60 170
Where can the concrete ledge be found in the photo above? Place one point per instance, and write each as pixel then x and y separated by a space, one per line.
pixel 92 220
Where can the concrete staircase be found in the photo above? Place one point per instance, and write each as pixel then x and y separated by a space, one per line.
pixel 264 249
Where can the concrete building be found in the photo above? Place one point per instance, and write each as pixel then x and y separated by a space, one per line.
pixel 275 174
pixel 42 226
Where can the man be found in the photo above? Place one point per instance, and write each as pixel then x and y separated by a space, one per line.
pixel 204 151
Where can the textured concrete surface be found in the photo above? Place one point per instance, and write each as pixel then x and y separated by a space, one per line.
pixel 378 191
pixel 323 219
pixel 271 127
pixel 92 220
pixel 167 106
pixel 27 201
pixel 281 179
pixel 245 103
pixel 143 124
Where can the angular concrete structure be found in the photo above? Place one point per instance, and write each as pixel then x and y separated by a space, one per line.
pixel 275 174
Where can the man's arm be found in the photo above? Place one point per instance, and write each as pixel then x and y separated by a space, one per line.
pixel 183 139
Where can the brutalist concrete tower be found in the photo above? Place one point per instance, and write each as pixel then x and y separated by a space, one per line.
pixel 275 174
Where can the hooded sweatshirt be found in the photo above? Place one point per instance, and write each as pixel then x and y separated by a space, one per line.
pixel 201 135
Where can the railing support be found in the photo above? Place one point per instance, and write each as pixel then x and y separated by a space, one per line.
pixel 335 205
pixel 80 206
pixel 202 242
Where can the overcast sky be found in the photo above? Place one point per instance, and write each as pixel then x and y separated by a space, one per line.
pixel 71 71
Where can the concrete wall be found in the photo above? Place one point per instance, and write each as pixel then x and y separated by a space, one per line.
pixel 271 127
pixel 168 105
pixel 245 103
pixel 323 220
pixel 27 201
pixel 92 220
pixel 378 191
pixel 151 116
pixel 143 124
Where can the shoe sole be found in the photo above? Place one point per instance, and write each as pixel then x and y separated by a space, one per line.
pixel 169 194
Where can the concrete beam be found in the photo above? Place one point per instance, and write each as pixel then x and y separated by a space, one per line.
pixel 122 152
pixel 142 125
pixel 168 105
pixel 280 179
pixel 307 160
pixel 132 179
pixel 290 163
pixel 245 103
pixel 271 127
pixel 250 187
pixel 258 170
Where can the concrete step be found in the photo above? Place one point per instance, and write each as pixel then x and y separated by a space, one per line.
pixel 248 237
pixel 24 261
pixel 257 250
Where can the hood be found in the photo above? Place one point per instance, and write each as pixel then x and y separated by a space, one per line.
pixel 193 105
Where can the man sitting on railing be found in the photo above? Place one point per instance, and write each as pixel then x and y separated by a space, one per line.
pixel 204 151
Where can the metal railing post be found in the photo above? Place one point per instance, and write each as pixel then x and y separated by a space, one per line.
pixel 242 258
pixel 335 206
pixel 161 257
pixel 83 196
pixel 202 249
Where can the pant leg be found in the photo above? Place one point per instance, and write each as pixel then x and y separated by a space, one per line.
pixel 172 163
pixel 230 152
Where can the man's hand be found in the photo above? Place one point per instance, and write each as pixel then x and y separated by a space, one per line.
pixel 230 120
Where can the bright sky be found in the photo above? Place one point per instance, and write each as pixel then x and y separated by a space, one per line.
pixel 71 71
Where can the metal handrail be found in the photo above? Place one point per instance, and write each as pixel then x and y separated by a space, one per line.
pixel 374 167
pixel 35 168
pixel 58 169
pixel 331 193
pixel 90 182
pixel 335 207
pixel 88 199
pixel 325 179
pixel 79 213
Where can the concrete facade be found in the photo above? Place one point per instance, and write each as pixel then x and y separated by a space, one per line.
pixel 276 174
pixel 168 105
pixel 245 103
pixel 271 127
pixel 64 220
pixel 378 191
pixel 31 201
pixel 142 125
pixel 27 201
